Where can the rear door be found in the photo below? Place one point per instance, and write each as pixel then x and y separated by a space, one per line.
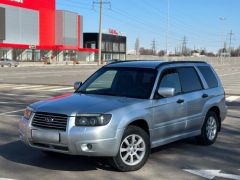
pixel 193 94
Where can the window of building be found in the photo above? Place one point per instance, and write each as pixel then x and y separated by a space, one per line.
pixel 90 44
pixel 109 46
pixel 115 56
pixel 103 46
pixel 122 47
pixel 115 47
pixel 122 57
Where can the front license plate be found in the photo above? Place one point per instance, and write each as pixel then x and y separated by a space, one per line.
pixel 46 137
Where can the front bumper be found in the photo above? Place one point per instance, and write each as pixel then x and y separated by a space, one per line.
pixel 87 141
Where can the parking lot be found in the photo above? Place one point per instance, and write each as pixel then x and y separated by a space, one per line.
pixel 22 86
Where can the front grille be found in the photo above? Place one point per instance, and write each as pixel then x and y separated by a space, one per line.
pixel 50 121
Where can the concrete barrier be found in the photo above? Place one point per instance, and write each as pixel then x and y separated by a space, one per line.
pixel 211 60
pixel 40 64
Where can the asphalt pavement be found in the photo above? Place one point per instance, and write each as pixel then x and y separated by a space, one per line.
pixel 180 160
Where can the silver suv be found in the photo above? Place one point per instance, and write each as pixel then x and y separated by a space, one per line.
pixel 126 108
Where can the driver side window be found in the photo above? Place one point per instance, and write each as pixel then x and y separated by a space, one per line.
pixel 170 79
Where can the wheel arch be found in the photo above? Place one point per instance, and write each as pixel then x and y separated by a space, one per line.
pixel 142 123
pixel 216 110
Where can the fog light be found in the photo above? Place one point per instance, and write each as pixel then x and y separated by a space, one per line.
pixel 89 146
pixel 86 147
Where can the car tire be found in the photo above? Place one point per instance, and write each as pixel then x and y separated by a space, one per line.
pixel 2 65
pixel 133 151
pixel 209 131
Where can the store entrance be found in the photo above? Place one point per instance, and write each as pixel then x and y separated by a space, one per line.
pixel 3 53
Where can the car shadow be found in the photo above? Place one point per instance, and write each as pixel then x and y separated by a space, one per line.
pixel 20 153
pixel 179 144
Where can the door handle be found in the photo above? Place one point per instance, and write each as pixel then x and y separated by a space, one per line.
pixel 180 101
pixel 204 95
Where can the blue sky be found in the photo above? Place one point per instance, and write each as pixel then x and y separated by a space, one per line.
pixel 198 20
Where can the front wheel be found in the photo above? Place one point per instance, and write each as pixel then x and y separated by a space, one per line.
pixel 209 130
pixel 133 151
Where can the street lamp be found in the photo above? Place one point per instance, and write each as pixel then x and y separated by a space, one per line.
pixel 222 19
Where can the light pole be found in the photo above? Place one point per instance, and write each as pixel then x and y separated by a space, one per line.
pixel 100 2
pixel 222 19
pixel 167 29
pixel 100 36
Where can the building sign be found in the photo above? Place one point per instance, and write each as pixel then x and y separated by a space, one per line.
pixel 18 1
pixel 115 32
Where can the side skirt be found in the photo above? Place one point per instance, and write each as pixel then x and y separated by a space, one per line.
pixel 174 138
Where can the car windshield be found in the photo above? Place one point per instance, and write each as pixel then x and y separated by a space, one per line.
pixel 123 82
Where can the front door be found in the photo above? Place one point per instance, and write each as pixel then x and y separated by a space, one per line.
pixel 169 113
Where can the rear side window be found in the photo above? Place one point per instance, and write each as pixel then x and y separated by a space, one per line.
pixel 189 79
pixel 209 76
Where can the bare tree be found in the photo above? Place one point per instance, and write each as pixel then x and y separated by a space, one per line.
pixel 143 51
pixel 161 53
pixel 137 46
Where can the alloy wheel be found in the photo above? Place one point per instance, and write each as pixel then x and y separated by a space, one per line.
pixel 211 128
pixel 132 150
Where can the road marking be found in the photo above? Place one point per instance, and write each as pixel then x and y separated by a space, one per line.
pixel 44 88
pixel 12 116
pixel 6 179
pixel 36 87
pixel 5 85
pixel 20 110
pixel 210 174
pixel 9 102
pixel 232 98
pixel 62 89
pixel 24 95
pixel 28 87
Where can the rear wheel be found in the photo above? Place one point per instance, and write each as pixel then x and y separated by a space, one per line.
pixel 209 130
pixel 133 151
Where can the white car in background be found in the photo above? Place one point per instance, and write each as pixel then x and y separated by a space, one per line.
pixel 8 62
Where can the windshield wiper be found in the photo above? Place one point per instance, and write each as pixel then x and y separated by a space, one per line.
pixel 105 94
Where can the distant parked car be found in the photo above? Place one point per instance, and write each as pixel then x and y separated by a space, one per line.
pixel 8 62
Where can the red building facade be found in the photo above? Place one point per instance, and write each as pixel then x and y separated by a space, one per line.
pixel 41 36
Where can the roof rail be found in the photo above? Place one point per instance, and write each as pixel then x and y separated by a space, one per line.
pixel 179 62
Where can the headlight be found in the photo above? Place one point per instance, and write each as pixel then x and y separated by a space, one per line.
pixel 27 113
pixel 92 119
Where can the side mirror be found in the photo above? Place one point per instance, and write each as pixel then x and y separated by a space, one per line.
pixel 77 85
pixel 166 92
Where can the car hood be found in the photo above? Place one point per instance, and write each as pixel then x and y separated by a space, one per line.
pixel 72 104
